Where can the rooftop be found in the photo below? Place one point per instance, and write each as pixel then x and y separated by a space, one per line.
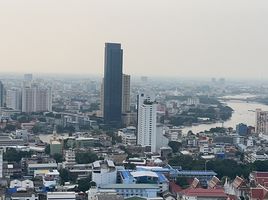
pixel 130 186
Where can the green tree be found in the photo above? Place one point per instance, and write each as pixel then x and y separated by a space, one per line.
pixel 182 182
pixel 10 127
pixel 85 157
pixel 47 149
pixel 84 184
pixel 36 129
pixel 58 157
pixel 175 146
pixel 12 155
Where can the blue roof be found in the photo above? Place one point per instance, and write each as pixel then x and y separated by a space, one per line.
pixel 161 178
pixel 125 174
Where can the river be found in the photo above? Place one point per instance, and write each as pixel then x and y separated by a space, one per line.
pixel 244 112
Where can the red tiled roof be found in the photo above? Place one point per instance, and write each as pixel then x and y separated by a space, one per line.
pixel 261 174
pixel 200 192
pixel 261 180
pixel 174 188
pixel 232 197
pixel 258 193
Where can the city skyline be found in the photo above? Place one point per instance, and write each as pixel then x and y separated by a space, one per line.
pixel 179 38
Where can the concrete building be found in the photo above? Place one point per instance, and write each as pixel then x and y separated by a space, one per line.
pixel 142 176
pixel 61 196
pixel 41 166
pixel 161 139
pixel 104 172
pixel 261 122
pixel 102 98
pixel 69 159
pixel 128 135
pixel 97 194
pixel 24 195
pixel 147 121
pixel 36 99
pixel 193 101
pixel 13 99
pixel 126 93
pixel 55 147
pixel 1 162
pixel 133 190
pixel 113 65
pixel 6 141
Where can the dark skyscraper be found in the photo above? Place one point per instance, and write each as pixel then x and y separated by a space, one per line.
pixel 2 95
pixel 113 62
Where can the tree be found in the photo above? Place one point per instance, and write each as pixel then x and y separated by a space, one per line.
pixel 84 184
pixel 58 157
pixel 66 176
pixel 129 165
pixel 10 127
pixel 36 129
pixel 47 149
pixel 85 157
pixel 182 181
pixel 175 146
pixel 12 155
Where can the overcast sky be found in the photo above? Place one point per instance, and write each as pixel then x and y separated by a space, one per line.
pixel 203 38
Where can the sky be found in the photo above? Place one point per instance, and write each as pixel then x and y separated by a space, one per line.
pixel 177 38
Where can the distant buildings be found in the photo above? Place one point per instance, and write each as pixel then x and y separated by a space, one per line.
pixel 28 77
pixel 36 99
pixel 13 99
pixel 261 122
pixel 113 64
pixel 2 95
pixel 193 101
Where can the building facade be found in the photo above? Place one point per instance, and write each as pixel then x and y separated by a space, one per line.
pixel 13 99
pixel 113 64
pixel 147 122
pixel 126 93
pixel 2 94
pixel 36 99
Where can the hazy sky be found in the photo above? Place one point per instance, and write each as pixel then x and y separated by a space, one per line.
pixel 160 37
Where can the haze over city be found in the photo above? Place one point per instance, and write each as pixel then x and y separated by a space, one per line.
pixel 221 38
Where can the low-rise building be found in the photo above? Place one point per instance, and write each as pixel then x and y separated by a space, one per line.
pixel 133 190
pixel 104 172
pixel 61 196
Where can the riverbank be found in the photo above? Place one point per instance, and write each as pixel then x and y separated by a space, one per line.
pixel 242 113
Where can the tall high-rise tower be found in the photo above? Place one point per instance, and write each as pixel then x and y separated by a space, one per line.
pixel 112 108
pixel 2 95
pixel 147 132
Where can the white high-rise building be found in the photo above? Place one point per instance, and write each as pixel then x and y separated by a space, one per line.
pixel 13 99
pixel 36 99
pixel 262 122
pixel 147 107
